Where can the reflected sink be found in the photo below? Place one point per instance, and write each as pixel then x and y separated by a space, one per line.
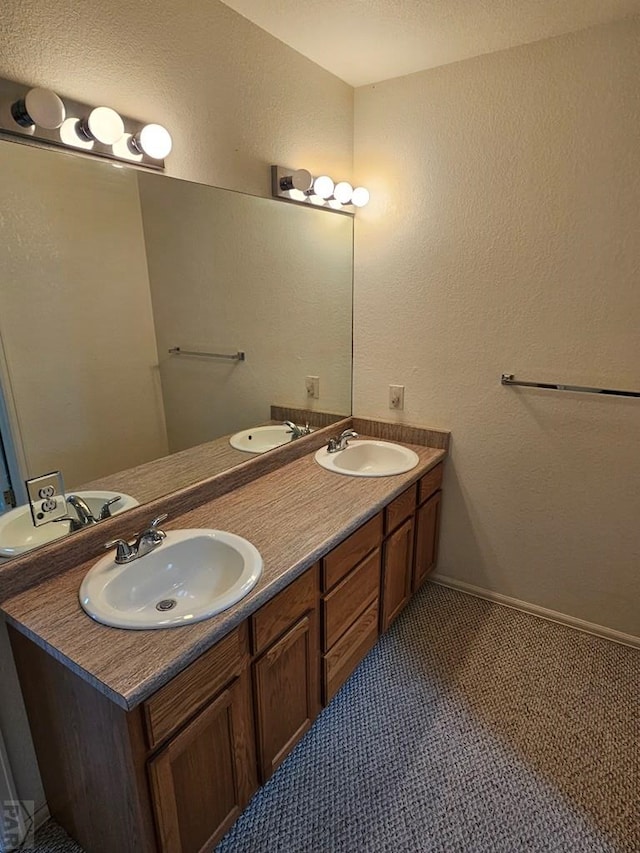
pixel 193 575
pixel 260 439
pixel 17 533
pixel 368 458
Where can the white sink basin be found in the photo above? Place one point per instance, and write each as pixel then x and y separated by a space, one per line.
pixel 367 458
pixel 193 575
pixel 260 439
pixel 17 533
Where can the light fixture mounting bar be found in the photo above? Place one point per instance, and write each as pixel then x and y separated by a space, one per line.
pixel 65 137
pixel 279 174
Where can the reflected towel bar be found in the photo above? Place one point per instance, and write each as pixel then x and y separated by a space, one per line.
pixel 508 379
pixel 236 356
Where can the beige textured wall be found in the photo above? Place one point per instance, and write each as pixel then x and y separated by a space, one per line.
pixel 504 235
pixel 229 271
pixel 234 98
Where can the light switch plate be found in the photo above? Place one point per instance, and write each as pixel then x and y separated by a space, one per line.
pixel 46 498
pixel 396 396
pixel 312 384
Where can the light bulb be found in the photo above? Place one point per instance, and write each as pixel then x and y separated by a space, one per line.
pixel 154 141
pixel 343 192
pixel 104 125
pixel 300 180
pixel 323 186
pixel 71 134
pixel 41 107
pixel 126 149
pixel 360 197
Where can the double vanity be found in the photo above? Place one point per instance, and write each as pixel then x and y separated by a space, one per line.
pixel 156 739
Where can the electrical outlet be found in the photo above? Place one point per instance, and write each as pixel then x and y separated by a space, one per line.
pixel 313 387
pixel 46 498
pixel 396 396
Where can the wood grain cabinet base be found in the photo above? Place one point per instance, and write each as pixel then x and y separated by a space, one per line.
pixel 396 573
pixel 200 781
pixel 173 774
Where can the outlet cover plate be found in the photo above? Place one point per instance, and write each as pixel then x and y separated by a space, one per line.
pixel 46 498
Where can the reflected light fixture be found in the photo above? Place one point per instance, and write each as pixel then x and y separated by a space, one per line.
pixel 40 107
pixel 301 187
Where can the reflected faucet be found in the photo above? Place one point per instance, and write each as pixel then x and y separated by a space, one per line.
pixel 84 517
pixel 296 431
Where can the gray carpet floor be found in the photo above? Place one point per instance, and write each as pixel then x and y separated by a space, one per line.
pixel 470 727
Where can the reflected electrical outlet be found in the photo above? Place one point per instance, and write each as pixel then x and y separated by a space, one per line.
pixel 46 498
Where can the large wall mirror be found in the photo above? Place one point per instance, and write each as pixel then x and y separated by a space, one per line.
pixel 105 269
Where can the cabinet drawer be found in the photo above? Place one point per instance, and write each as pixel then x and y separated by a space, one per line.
pixel 339 663
pixel 189 691
pixel 400 509
pixel 348 554
pixel 430 483
pixel 283 610
pixel 353 594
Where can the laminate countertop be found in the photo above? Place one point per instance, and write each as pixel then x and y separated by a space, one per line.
pixel 294 516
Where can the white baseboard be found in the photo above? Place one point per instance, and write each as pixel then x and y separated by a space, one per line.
pixel 535 610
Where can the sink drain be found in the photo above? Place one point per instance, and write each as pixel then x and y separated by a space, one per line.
pixel 166 604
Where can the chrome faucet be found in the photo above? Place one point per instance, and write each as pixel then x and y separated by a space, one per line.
pixel 145 542
pixel 84 517
pixel 296 431
pixel 342 442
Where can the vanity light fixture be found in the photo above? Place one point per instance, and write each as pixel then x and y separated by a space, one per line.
pixel 41 117
pixel 153 140
pixel 323 186
pixel 102 125
pixel 300 180
pixel 300 187
pixel 40 107
pixel 360 197
pixel 343 192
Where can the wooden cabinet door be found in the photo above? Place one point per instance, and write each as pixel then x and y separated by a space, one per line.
pixel 396 573
pixel 287 695
pixel 427 530
pixel 202 780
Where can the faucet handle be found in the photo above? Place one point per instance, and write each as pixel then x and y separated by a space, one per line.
pixel 105 512
pixel 124 551
pixel 349 433
pixel 153 532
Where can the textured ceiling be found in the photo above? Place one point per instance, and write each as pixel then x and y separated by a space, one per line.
pixel 363 41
